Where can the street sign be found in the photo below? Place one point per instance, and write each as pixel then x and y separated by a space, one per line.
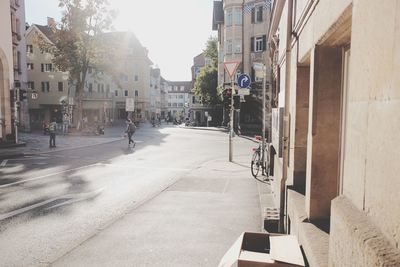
pixel 209 118
pixel 130 104
pixel 242 99
pixel 231 67
pixel 206 113
pixel 243 91
pixel 244 80
pixel 34 95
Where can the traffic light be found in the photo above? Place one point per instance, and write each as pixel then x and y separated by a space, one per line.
pixel 236 101
pixel 227 94
pixel 22 94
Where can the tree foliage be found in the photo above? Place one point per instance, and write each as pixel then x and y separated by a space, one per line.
pixel 211 51
pixel 206 86
pixel 75 45
pixel 207 80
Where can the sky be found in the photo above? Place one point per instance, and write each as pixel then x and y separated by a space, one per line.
pixel 174 31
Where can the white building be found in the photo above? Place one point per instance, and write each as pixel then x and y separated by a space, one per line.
pixel 179 97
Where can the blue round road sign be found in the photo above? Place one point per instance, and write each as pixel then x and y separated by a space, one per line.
pixel 244 80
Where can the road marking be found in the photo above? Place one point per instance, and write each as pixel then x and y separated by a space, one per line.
pixel 3 163
pixel 47 175
pixel 72 198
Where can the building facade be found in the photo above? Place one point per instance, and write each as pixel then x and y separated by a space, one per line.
pixel 179 93
pixel 6 70
pixel 242 27
pixel 47 87
pixel 132 66
pixel 335 128
pixel 155 93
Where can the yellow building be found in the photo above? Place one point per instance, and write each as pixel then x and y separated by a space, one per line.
pixel 335 128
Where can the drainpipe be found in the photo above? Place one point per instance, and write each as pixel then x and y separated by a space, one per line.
pixel 286 125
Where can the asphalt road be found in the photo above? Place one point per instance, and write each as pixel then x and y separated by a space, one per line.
pixel 50 203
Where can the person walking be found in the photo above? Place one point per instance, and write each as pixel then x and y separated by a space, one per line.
pixel 52 132
pixel 130 130
pixel 65 124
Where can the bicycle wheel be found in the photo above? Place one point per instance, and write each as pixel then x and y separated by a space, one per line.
pixel 255 164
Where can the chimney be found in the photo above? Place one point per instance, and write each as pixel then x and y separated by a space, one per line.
pixel 51 22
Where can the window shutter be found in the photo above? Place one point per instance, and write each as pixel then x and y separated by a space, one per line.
pixel 253 74
pixel 42 66
pixel 253 14
pixel 264 42
pixel 260 14
pixel 252 44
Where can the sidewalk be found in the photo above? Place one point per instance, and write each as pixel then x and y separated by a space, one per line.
pixel 191 223
pixel 38 143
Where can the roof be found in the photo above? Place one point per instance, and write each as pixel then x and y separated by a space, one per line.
pixel 47 31
pixel 218 15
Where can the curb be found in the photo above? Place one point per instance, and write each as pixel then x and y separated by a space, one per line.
pixel 22 154
pixel 205 129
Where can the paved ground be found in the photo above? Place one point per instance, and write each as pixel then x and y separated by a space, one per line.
pixel 173 201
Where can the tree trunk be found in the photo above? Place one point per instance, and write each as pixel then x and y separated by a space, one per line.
pixel 79 106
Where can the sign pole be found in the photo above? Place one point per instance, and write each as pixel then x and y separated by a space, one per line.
pixel 231 69
pixel 231 122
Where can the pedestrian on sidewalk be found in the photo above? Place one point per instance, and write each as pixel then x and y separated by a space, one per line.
pixel 52 132
pixel 130 130
pixel 65 123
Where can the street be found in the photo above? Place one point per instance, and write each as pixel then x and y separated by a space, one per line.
pixel 51 203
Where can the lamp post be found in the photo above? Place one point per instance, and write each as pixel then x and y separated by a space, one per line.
pixel 259 67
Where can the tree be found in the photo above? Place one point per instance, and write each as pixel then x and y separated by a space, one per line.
pixel 206 86
pixel 76 46
pixel 207 80
pixel 211 51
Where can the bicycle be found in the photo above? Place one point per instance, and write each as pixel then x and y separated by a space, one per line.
pixel 257 161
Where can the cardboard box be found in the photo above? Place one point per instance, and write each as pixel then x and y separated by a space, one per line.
pixel 263 250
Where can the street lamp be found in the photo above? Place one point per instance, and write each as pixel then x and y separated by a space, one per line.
pixel 260 68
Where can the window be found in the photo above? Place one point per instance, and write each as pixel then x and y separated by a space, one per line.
pixel 228 47
pixel 180 105
pixel 136 78
pixel 193 99
pixel 47 67
pixel 180 96
pixel 45 87
pixel 238 46
pixel 29 49
pixel 136 93
pixel 31 85
pixel 90 87
pixel 107 89
pixel 123 77
pixel 174 105
pixel 90 70
pixel 98 88
pixel 257 14
pixel 258 44
pixel 169 104
pixel 60 86
pixel 126 93
pixel 237 16
pixel 116 92
pixel 228 17
pixel 29 66
pixel 182 88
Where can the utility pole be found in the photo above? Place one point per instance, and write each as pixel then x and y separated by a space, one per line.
pixel 16 103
